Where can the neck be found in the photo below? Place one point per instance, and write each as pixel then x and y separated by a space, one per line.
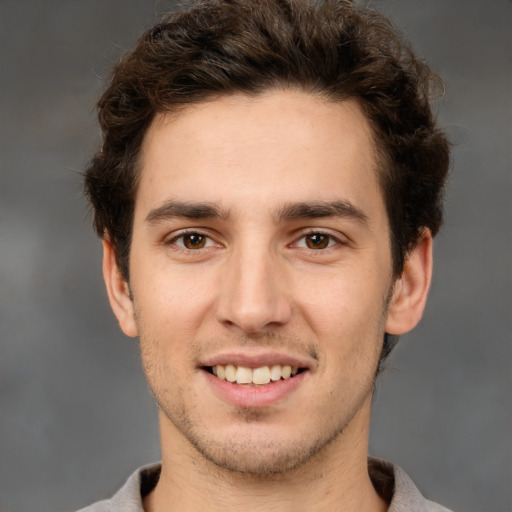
pixel 336 478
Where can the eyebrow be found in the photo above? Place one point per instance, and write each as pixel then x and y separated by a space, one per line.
pixel 288 212
pixel 318 210
pixel 197 211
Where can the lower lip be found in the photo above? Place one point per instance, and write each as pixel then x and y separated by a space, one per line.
pixel 254 396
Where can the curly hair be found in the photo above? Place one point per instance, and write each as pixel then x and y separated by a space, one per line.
pixel 333 49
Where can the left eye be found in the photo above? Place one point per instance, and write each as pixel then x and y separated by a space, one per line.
pixel 317 241
pixel 193 241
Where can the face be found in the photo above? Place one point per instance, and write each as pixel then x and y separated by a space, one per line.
pixel 260 277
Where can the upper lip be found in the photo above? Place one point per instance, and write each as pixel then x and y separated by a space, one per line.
pixel 257 360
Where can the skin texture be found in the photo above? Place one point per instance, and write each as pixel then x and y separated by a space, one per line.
pixel 233 196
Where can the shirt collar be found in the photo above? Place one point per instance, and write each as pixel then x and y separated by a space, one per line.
pixel 389 480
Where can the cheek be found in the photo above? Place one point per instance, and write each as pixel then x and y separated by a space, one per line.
pixel 172 300
pixel 170 307
pixel 167 351
pixel 342 305
pixel 347 318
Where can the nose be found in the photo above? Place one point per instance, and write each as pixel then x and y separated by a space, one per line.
pixel 254 297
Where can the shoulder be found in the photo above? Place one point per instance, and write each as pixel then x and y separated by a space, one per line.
pixel 395 486
pixel 100 506
pixel 435 507
pixel 129 497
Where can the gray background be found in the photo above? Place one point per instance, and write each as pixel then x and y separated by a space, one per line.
pixel 75 413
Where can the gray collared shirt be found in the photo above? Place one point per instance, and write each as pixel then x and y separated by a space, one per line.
pixel 390 481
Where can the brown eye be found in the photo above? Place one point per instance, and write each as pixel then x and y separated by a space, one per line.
pixel 194 241
pixel 317 241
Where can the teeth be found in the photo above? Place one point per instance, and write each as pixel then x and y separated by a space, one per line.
pixel 230 372
pixel 261 375
pixel 258 376
pixel 243 375
pixel 275 372
pixel 221 371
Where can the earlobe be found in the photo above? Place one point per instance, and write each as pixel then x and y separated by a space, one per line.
pixel 411 288
pixel 118 291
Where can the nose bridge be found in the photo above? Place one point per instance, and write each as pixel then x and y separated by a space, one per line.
pixel 253 294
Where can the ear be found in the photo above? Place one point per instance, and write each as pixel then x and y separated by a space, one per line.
pixel 411 288
pixel 118 291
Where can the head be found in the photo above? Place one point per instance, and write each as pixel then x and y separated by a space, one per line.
pixel 336 75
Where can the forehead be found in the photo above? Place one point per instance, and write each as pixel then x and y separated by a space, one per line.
pixel 281 146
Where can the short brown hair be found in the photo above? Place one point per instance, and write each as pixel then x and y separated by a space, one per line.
pixel 333 49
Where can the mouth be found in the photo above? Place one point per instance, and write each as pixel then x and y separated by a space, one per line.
pixel 261 376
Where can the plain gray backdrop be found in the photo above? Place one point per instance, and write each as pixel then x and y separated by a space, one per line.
pixel 76 417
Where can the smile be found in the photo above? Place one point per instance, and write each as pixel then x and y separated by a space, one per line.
pixel 253 376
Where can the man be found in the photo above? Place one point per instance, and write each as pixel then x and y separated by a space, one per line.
pixel 267 191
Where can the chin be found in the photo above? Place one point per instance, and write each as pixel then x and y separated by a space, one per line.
pixel 260 454
pixel 255 460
